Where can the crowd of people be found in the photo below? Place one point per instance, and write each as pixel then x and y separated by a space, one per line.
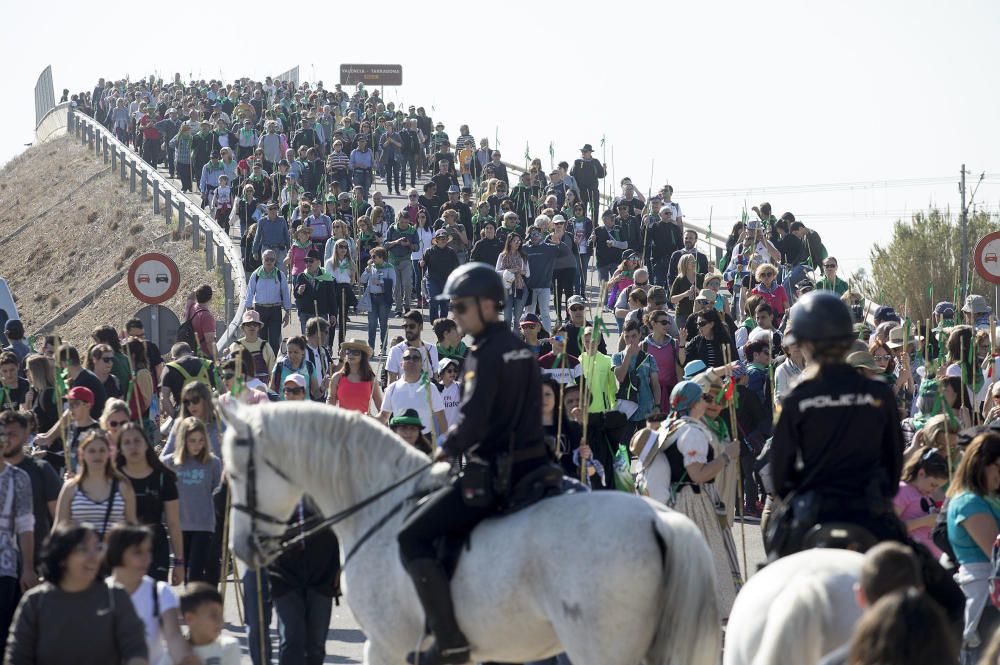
pixel 656 369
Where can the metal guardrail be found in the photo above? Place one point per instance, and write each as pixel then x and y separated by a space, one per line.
pixel 52 123
pixel 168 200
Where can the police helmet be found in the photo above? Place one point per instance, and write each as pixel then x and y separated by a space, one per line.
pixel 819 316
pixel 473 280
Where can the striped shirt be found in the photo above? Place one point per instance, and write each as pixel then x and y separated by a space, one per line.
pixel 84 509
pixel 338 161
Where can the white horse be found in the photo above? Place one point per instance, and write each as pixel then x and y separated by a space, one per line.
pixel 609 578
pixel 795 610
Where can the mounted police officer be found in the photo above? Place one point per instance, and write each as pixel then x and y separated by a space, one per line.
pixel 837 452
pixel 500 433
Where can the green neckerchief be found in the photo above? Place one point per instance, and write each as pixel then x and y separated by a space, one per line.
pixel 458 351
pixel 718 427
pixel 301 245
pixel 321 276
pixel 763 368
pixel 263 274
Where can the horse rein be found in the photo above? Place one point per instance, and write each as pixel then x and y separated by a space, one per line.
pixel 300 531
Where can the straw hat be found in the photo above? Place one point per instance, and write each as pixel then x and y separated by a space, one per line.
pixel 359 344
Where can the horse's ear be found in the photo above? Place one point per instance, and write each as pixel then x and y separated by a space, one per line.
pixel 232 413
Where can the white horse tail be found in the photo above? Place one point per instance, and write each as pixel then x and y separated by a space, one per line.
pixel 687 629
pixel 796 623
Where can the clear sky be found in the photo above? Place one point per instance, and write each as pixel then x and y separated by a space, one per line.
pixel 728 101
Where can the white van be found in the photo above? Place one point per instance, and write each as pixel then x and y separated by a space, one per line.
pixel 8 310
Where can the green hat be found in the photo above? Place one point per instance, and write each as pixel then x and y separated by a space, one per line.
pixel 408 417
pixel 331 198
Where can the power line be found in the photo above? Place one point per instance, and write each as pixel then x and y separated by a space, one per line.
pixel 830 187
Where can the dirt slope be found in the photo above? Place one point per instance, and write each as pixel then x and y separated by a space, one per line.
pixel 66 225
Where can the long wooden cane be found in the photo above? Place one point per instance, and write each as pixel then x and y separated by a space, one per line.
pixel 739 465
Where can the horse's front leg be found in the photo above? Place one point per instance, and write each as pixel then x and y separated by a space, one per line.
pixel 376 653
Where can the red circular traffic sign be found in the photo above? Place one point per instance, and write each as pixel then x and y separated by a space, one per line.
pixel 153 278
pixel 987 257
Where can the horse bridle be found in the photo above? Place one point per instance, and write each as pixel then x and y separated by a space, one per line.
pixel 298 532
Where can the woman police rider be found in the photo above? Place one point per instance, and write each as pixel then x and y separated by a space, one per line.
pixel 845 430
pixel 508 437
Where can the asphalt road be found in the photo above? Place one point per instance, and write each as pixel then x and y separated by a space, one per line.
pixel 345 640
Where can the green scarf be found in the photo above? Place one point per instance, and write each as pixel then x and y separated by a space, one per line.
pixel 718 427
pixel 301 245
pixel 321 276
pixel 263 274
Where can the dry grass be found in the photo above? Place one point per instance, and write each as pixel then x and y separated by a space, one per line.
pixel 79 243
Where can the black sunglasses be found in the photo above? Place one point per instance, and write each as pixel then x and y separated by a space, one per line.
pixel 294 391
pixel 702 324
pixel 191 400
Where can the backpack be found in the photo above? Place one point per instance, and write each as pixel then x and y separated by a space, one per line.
pixel 186 334
pixel 201 377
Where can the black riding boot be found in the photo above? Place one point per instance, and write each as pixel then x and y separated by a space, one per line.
pixel 434 591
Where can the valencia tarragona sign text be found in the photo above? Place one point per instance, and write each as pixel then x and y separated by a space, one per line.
pixel 371 74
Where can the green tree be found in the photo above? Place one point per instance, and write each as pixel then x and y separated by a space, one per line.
pixel 924 252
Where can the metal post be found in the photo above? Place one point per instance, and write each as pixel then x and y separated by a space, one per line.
pixel 145 184
pixel 105 148
pixel 209 254
pixel 964 272
pixel 168 205
pixel 154 324
pixel 220 256
pixel 131 180
pixel 195 228
pixel 122 163
pixel 114 156
pixel 227 287
pixel 156 197
pixel 181 212
pixel 90 138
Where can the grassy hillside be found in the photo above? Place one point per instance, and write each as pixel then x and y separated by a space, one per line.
pixel 66 225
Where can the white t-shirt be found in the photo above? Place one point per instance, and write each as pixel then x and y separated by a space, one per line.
pixel 142 601
pixel 401 395
pixel 223 651
pixel 395 359
pixel 452 398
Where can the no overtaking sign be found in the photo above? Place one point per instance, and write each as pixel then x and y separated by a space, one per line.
pixel 153 278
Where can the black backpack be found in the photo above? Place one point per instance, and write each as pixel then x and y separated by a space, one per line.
pixel 185 333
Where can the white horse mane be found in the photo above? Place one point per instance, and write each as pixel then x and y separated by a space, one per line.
pixel 336 439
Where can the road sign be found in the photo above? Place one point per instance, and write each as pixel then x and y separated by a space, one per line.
pixel 160 325
pixel 153 278
pixel 987 257
pixel 371 74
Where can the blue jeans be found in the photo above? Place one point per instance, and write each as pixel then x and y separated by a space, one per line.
pixel 584 270
pixel 303 318
pixel 438 308
pixel 344 181
pixel 378 317
pixel 303 620
pixel 661 268
pixel 363 177
pixel 794 276
pixel 408 161
pixel 251 616
pixel 542 298
pixel 514 307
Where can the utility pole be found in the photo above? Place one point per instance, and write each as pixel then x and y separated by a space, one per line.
pixel 964 272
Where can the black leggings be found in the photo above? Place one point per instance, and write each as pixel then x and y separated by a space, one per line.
pixel 159 567
pixel 197 550
pixel 563 285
